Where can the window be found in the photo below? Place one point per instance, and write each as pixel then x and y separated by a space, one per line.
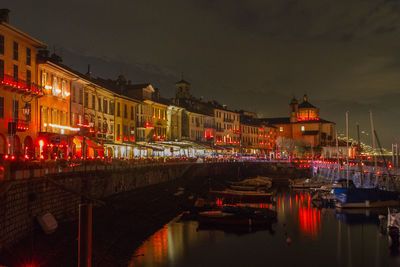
pixel 303 128
pixel 86 99
pixel 112 108
pixel 44 78
pixel 28 56
pixel 93 102
pixel 15 55
pixel 74 94
pixel 1 68
pixel 105 106
pixel 131 112
pixel 28 78
pixel 99 102
pixel 1 107
pixel 15 73
pixel 118 109
pixel 2 44
pixel 281 129
pixel 80 96
pixel 125 111
pixel 118 130
pixel 15 109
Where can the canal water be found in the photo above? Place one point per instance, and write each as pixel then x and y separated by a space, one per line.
pixel 319 237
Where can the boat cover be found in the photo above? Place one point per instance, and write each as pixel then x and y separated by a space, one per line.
pixel 357 195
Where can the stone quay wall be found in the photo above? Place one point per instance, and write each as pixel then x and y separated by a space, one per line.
pixel 21 200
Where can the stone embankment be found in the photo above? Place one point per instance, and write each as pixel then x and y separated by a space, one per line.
pixel 130 204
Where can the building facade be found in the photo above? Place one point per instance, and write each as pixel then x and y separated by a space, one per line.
pixel 19 90
pixel 304 124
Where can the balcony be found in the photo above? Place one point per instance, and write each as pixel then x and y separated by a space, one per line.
pixel 144 125
pixel 21 86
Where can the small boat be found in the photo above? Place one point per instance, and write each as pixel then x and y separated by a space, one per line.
pixel 367 198
pixel 236 216
pixel 260 181
pixel 242 196
pixel 323 199
pixel 305 183
pixel 340 186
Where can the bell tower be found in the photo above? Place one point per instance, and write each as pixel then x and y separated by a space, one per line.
pixel 182 89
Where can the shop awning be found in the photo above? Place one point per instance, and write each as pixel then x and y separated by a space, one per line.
pixel 90 143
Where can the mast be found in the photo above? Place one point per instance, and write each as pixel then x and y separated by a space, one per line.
pixel 359 152
pixel 347 146
pixel 373 139
pixel 337 155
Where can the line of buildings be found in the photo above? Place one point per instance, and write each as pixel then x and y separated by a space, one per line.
pixel 50 111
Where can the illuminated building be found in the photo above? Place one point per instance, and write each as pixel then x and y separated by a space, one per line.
pixel 174 123
pixel 197 126
pixel 54 106
pixel 159 116
pixel 19 91
pixel 257 136
pixel 125 115
pixel 304 124
pixel 227 128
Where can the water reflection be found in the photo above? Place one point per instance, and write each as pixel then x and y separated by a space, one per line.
pixel 320 237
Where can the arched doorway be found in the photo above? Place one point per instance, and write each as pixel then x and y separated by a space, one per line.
pixel 29 148
pixel 3 144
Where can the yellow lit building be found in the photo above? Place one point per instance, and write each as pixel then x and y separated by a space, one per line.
pixel 125 125
pixel 54 107
pixel 159 120
pixel 227 128
pixel 19 91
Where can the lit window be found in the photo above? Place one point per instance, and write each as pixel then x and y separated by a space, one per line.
pixel 281 129
pixel 303 128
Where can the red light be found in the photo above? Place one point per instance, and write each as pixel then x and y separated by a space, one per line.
pixel 6 156
pixel 41 157
pixel 26 156
pixel 12 157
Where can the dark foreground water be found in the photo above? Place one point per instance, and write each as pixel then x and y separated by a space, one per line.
pixel 320 237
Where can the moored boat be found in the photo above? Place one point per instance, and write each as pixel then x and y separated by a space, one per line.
pixel 305 183
pixel 367 198
pixel 242 196
pixel 236 216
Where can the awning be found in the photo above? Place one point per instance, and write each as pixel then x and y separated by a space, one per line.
pixel 89 142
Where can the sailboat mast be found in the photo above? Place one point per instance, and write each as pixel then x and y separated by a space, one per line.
pixel 337 155
pixel 347 146
pixel 373 139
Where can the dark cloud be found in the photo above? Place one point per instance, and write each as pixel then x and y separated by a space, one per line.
pixel 253 54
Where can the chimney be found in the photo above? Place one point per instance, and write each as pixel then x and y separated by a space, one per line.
pixel 4 15
pixel 88 73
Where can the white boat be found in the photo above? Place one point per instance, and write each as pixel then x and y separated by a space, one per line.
pixel 305 183
pixel 264 182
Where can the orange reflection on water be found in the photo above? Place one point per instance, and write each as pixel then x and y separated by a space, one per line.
pixel 157 246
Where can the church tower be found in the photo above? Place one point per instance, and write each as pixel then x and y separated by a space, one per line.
pixel 182 89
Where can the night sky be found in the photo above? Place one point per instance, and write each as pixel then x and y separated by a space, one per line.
pixel 254 55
